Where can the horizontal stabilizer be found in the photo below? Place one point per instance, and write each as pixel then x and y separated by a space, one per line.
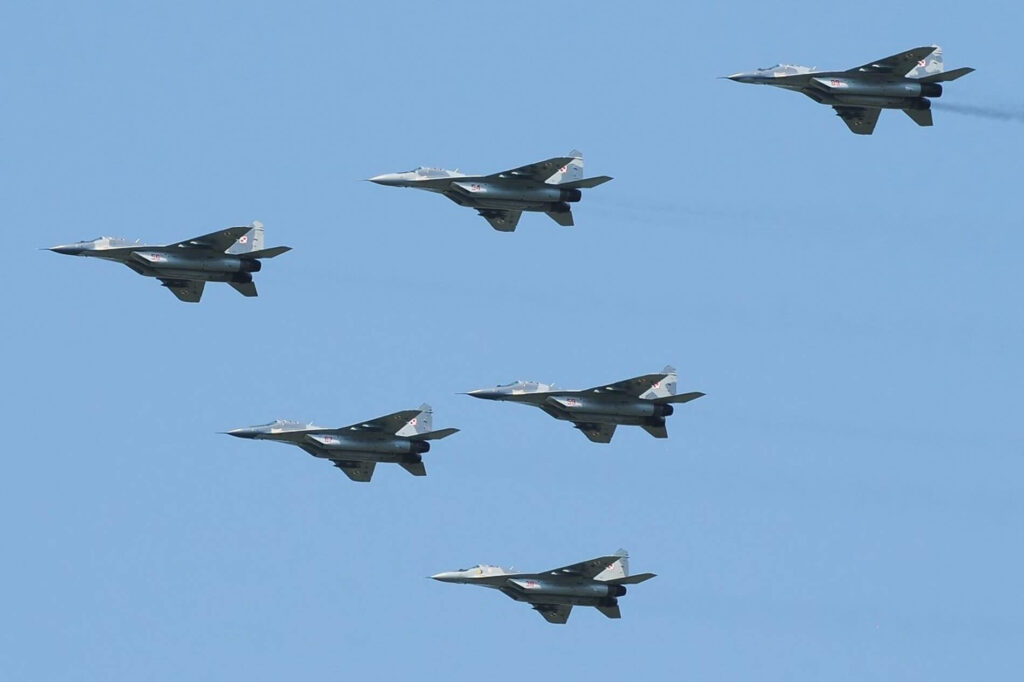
pixel 585 183
pixel 681 398
pixel 946 76
pixel 414 468
pixel 632 579
pixel 434 435
pixel 268 253
pixel 610 611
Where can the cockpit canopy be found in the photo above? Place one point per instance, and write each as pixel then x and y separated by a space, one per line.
pixel 282 424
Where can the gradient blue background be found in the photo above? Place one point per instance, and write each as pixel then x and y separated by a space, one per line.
pixel 845 503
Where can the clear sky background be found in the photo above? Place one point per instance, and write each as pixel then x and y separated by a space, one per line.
pixel 845 503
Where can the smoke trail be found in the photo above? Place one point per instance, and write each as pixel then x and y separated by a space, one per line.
pixel 983 112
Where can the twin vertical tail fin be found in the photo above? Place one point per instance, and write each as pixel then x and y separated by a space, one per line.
pixel 616 570
pixel 250 241
pixel 422 423
pixel 663 388
pixel 570 172
pixel 421 427
pixel 929 66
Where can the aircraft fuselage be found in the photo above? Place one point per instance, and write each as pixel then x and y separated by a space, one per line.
pixel 623 410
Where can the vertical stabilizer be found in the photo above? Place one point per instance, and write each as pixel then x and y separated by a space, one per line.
pixel 570 172
pixel 421 423
pixel 617 569
pixel 250 241
pixel 929 66
pixel 665 387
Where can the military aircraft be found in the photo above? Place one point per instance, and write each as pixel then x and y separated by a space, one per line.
pixel 230 255
pixel 400 438
pixel 642 401
pixel 902 81
pixel 597 582
pixel 546 186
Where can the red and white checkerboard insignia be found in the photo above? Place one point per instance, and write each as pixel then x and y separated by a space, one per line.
pixel 243 239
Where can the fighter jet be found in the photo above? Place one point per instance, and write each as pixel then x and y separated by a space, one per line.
pixel 546 186
pixel 902 81
pixel 400 438
pixel 642 401
pixel 231 256
pixel 597 582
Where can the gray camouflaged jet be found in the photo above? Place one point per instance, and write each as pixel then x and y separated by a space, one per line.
pixel 400 438
pixel 230 256
pixel 903 81
pixel 642 401
pixel 546 186
pixel 597 582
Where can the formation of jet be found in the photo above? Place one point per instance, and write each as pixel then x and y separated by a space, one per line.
pixel 903 81
pixel 230 255
pixel 546 186
pixel 400 438
pixel 597 582
pixel 642 401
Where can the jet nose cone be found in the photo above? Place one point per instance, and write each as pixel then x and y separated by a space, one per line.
pixel 67 249
pixel 241 433
pixel 444 576
pixel 388 179
pixel 740 77
pixel 484 393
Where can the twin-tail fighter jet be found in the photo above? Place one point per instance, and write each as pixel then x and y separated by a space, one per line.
pixel 598 582
pixel 903 81
pixel 231 256
pixel 546 186
pixel 400 438
pixel 642 401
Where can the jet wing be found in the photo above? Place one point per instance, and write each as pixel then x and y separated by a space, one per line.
pixel 554 613
pixel 598 433
pixel 357 471
pixel 587 569
pixel 390 423
pixel 502 221
pixel 188 290
pixel 215 241
pixel 861 120
pixel 538 172
pixel 635 387
pixel 897 65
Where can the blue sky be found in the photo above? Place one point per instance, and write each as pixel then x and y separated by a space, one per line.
pixel 844 504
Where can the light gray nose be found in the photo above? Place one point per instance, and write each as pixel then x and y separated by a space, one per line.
pixel 68 249
pixel 243 433
pixel 390 179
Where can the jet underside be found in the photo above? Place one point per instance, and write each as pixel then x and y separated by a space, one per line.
pixel 367 449
pixel 209 267
pixel 841 89
pixel 544 590
pixel 514 195
pixel 620 411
